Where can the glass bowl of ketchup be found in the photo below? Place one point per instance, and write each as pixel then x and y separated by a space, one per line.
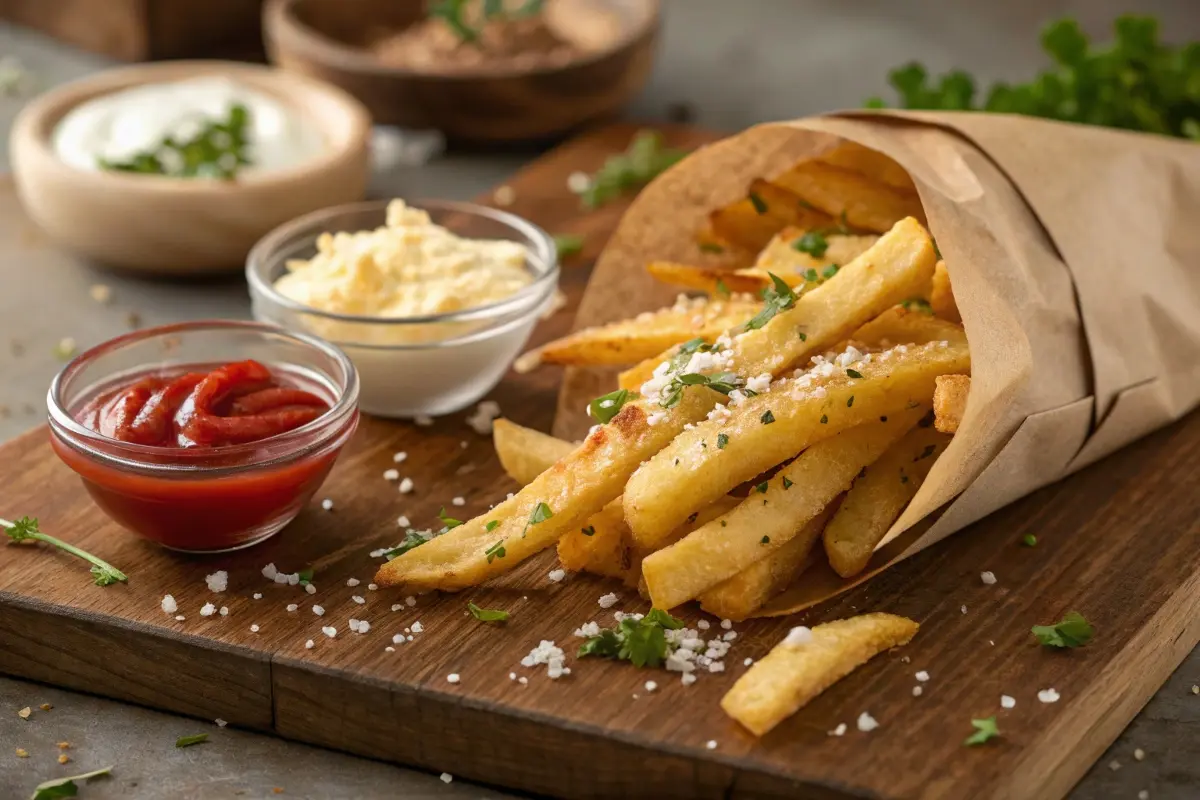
pixel 204 436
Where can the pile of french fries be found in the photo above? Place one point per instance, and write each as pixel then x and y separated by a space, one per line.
pixel 749 438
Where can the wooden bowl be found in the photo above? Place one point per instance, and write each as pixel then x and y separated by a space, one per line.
pixel 181 226
pixel 328 39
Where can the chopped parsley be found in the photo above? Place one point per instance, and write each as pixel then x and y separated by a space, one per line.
pixel 495 551
pixel 824 419
pixel 759 204
pixel 850 401
pixel 1072 631
pixel 217 149
pixel 762 487
pixel 803 336
pixel 918 304
pixel 492 525
pixel 188 741
pixel 590 530
pixel 985 729
pixel 721 289
pixel 787 484
pixel 810 275
pixel 765 540
pixel 487 614
pixel 814 243
pixel 672 393
pixel 606 406
pixel 1029 540
pixel 722 440
pixel 830 271
pixel 449 522
pixel 853 373
pixel 568 244
pixel 642 642
pixel 777 297
pixel 767 418
pixel 644 160
pixel 541 512
pixel 26 529
pixel 411 539
pixel 306 576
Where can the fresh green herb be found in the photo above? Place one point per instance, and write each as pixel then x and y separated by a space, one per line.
pixel 765 540
pixel 606 406
pixel 1072 631
pixel 788 484
pixel 451 12
pixel 644 160
pixel 411 539
pixel 487 614
pixel 811 275
pixel 723 382
pixel 306 576
pixel 722 290
pixel 492 525
pixel 590 530
pixel 850 401
pixel 776 298
pixel 984 729
pixel 722 440
pixel 767 418
pixel 495 551
pixel 762 487
pixel 568 244
pixel 918 304
pixel 814 243
pixel 541 512
pixel 803 336
pixel 1029 540
pixel 188 741
pixel 26 529
pixel 824 419
pixel 1136 83
pixel 711 247
pixel 830 271
pixel 65 787
pixel 448 522
pixel 217 150
pixel 759 204
pixel 642 642
pixel 853 373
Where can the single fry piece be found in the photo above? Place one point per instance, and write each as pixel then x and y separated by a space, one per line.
pixel 767 209
pixel 737 444
pixel 941 296
pixel 860 201
pixel 871 163
pixel 749 590
pixel 525 453
pixel 704 278
pixel 649 333
pixel 557 501
pixel 807 663
pixel 877 497
pixel 775 513
pixel 899 325
pixel 950 401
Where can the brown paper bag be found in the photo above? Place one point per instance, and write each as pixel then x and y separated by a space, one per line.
pixel 1075 257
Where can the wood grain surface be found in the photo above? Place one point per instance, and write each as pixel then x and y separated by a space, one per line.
pixel 1117 542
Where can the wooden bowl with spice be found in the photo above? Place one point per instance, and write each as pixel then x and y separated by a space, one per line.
pixel 477 70
pixel 179 167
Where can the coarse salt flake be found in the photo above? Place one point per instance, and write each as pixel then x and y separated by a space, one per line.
pixel 358 599
pixel 257 595
pixel 840 730
pixel 1007 702
pixel 292 606
pixel 406 486
pixel 557 575
pixel 399 457
pixel 208 610
pixel 352 582
pixel 391 474
pixel 447 777
pixel 608 601
pixel 310 644
pixel 254 629
pixel 453 677
pixel 417 627
pixel 988 578
pixel 798 636
pixel 319 611
pixel 1048 696
pixel 329 631
pixel 866 722
pixel 922 676
pixel 457 501
pixel 218 581
pixel 169 605
pixel 482 418
pixel 651 686
pixel 327 504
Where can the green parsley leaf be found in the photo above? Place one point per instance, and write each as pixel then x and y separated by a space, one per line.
pixel 767 418
pixel 803 336
pixel 218 149
pixel 492 525
pixel 1072 631
pixel 541 512
pixel 188 741
pixel 568 244
pixel 722 290
pixel 762 487
pixel 26 529
pixel 711 247
pixel 811 276
pixel 722 440
pixel 1029 540
pixel 306 576
pixel 778 297
pixel 853 373
pixel 487 614
pixel 759 204
pixel 605 645
pixel 824 419
pixel 495 551
pixel 644 160
pixel 830 271
pixel 984 729
pixel 849 401
pixel 788 484
pixel 449 522
pixel 765 540
pixel 918 304
pixel 812 242
pixel 641 642
pixel 65 787
pixel 411 539
pixel 590 530
pixel 606 406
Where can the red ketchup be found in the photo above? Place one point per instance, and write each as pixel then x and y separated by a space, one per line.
pixel 208 473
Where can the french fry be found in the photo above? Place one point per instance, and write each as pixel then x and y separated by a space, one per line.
pixel 703 278
pixel 525 453
pixel 898 325
pixel 740 596
pixel 775 513
pixel 877 497
pixel 650 333
pixel 871 163
pixel 557 501
pixel 941 296
pixel 860 201
pixel 767 209
pixel 697 467
pixel 950 401
pixel 805 664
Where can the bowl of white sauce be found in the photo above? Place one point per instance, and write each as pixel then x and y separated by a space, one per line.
pixel 180 167
pixel 432 300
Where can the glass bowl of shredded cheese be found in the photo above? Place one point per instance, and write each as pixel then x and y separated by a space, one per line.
pixel 432 301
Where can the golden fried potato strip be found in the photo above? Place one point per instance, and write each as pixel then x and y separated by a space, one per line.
pixel 950 401
pixel 941 296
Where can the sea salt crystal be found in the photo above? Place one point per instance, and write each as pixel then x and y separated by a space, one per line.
pixel 406 486
pixel 840 730
pixel 403 523
pixel 608 601
pixel 327 504
pixel 557 575
pixel 257 595
pixel 208 610
pixel 391 474
pixel 1007 702
pixel 358 599
pixel 218 581
pixel 457 501
pixel 922 676
pixel 310 644
pixel 1048 696
pixel 310 589
pixel 319 611
pixel 453 677
pixel 254 629
pixel 988 578
pixel 169 605
pixel 417 627
pixel 399 457
pixel 269 572
pixel 484 415
pixel 292 606
pixel 352 582
pixel 224 611
pixel 329 631
pixel 866 722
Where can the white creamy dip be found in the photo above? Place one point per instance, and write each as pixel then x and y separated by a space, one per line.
pixel 117 126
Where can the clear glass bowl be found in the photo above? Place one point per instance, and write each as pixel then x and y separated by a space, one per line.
pixel 413 365
pixel 204 499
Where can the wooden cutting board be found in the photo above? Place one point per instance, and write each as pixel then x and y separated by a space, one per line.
pixel 1119 542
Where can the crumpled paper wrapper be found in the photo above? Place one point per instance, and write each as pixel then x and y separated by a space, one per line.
pixel 1074 253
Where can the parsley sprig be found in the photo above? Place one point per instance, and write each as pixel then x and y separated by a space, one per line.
pixel 985 729
pixel 65 787
pixel 411 539
pixel 777 297
pixel 643 161
pixel 1072 631
pixel 26 529
pixel 642 642
pixel 217 150
pixel 607 406
pixel 1137 82
pixel 452 13
pixel 487 614
pixel 672 393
